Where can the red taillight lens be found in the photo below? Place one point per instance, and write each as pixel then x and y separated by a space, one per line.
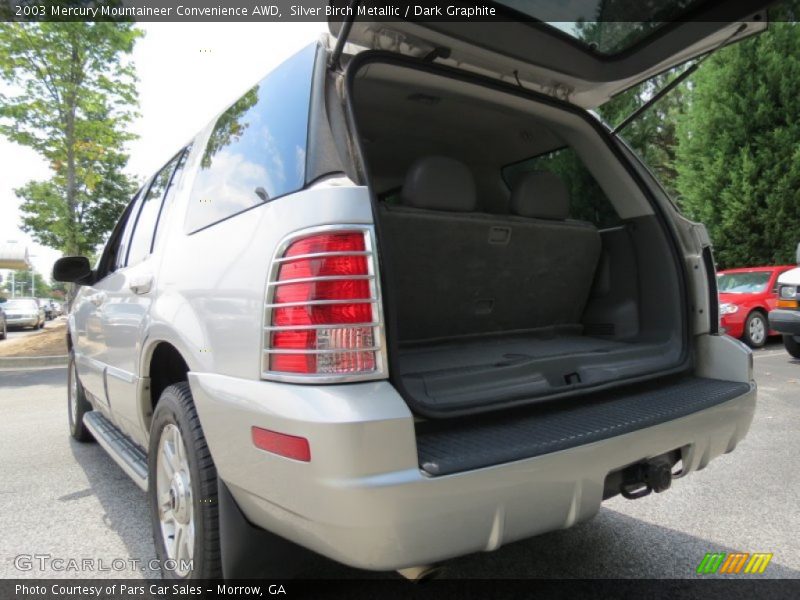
pixel 327 266
pixel 323 310
pixel 340 289
pixel 346 241
pixel 322 314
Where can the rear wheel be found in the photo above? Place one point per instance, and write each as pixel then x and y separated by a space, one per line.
pixel 792 345
pixel 183 490
pixel 77 404
pixel 756 329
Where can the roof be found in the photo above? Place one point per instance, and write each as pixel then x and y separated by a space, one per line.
pixel 754 269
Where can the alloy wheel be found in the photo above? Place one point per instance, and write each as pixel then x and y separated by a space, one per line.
pixel 174 494
pixel 757 330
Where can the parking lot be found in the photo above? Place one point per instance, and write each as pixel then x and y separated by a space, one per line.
pixel 17 332
pixel 65 499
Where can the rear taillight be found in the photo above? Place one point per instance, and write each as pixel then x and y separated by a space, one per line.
pixel 323 316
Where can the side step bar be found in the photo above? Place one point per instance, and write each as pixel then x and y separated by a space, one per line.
pixel 130 457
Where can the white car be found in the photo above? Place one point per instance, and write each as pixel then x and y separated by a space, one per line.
pixel 786 318
pixel 368 312
pixel 24 312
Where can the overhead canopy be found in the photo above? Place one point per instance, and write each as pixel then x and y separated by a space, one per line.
pixel 14 256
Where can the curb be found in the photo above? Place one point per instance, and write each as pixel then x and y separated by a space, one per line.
pixel 33 362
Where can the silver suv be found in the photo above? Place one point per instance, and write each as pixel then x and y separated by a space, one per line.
pixel 395 306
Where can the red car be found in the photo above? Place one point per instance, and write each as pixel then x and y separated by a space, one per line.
pixel 746 296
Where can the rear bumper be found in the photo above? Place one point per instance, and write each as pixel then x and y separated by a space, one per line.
pixel 363 500
pixel 786 322
pixel 22 322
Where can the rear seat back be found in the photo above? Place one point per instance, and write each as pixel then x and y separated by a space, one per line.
pixel 456 272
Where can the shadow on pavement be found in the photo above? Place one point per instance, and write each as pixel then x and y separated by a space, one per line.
pixel 612 545
pixel 124 504
pixel 31 377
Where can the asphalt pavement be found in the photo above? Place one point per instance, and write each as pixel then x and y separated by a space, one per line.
pixel 17 332
pixel 65 499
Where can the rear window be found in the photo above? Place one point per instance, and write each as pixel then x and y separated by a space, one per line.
pixel 20 305
pixel 743 283
pixel 257 150
pixel 588 202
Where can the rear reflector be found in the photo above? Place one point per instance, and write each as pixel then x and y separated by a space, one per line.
pixel 282 444
pixel 323 316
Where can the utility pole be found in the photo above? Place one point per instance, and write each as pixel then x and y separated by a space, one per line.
pixel 13 286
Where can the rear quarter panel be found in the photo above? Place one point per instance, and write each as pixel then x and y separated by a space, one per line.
pixel 212 282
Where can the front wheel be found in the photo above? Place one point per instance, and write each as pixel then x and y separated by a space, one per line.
pixel 792 345
pixel 182 485
pixel 77 404
pixel 756 329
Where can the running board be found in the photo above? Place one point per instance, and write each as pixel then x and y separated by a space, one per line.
pixel 130 457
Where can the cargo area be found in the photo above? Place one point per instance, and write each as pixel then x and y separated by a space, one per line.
pixel 521 261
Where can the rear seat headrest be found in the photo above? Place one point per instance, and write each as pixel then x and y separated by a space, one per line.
pixel 439 183
pixel 540 195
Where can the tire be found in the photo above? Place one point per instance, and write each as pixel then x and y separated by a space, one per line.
pixel 4 330
pixel 77 405
pixel 756 329
pixel 792 345
pixel 182 491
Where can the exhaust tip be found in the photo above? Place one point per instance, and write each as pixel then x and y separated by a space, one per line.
pixel 421 573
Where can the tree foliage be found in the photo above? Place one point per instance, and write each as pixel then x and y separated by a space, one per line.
pixel 229 127
pixel 738 160
pixel 72 96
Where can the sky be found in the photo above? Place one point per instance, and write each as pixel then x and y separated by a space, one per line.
pixel 188 73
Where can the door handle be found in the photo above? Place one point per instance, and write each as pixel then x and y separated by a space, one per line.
pixel 141 284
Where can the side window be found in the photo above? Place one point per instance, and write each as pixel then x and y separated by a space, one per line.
pixel 169 194
pixel 588 202
pixel 107 263
pixel 141 243
pixel 257 149
pixel 125 235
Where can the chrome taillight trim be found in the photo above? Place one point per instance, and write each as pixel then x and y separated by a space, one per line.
pixel 310 327
pixel 323 278
pixel 378 329
pixel 285 259
pixel 321 351
pixel 323 303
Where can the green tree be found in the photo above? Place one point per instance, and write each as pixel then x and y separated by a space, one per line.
pixel 738 161
pixel 72 96
pixel 229 127
pixel 653 134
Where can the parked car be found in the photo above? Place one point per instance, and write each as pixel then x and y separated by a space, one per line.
pixel 785 319
pixel 746 296
pixel 24 312
pixel 374 321
pixel 3 323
